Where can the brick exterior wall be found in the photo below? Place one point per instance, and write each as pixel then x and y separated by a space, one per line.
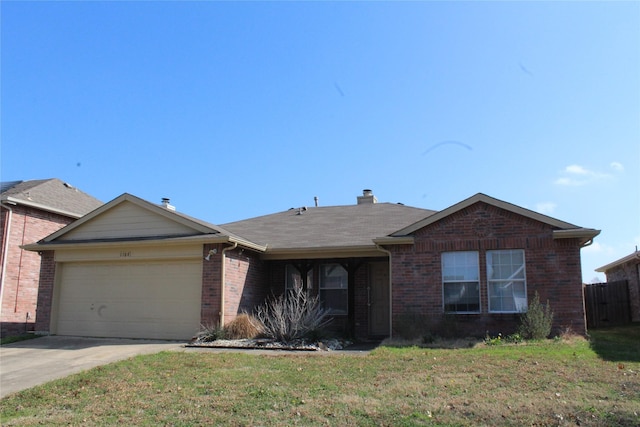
pixel 244 284
pixel 552 269
pixel 21 280
pixel 45 293
pixel 211 274
pixel 629 271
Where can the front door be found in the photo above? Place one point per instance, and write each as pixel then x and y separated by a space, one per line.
pixel 378 299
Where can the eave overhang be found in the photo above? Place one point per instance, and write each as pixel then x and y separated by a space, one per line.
pixel 391 240
pixel 13 201
pixel 139 242
pixel 584 235
pixel 363 251
pixel 633 256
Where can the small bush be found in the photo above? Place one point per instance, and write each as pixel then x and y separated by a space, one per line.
pixel 291 316
pixel 244 326
pixel 210 332
pixel 536 322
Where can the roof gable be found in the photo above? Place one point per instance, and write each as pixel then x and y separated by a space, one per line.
pixel 51 195
pixel 634 256
pixel 555 223
pixel 129 217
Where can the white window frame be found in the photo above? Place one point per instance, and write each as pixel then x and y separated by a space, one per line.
pixel 515 283
pixel 460 271
pixel 339 284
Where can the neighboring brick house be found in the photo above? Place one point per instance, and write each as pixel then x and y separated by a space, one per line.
pixel 627 268
pixel 136 269
pixel 31 210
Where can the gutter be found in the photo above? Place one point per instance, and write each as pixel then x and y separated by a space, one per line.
pixel 5 249
pixel 222 282
pixel 46 208
pixel 381 249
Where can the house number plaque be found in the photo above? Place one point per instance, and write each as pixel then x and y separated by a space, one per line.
pixel 125 254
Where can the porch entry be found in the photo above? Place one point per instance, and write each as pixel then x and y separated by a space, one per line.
pixel 378 299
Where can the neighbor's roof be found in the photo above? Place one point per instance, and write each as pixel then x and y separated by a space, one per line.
pixel 51 195
pixel 633 256
pixel 326 228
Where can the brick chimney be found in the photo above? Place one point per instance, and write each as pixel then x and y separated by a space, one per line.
pixel 367 198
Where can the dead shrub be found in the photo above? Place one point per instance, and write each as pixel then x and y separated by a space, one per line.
pixel 292 316
pixel 244 326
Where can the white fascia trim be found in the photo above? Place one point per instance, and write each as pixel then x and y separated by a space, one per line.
pixel 42 207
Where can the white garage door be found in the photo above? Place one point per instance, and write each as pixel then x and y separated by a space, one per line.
pixel 130 299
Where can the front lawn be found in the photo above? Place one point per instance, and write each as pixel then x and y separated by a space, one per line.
pixel 554 382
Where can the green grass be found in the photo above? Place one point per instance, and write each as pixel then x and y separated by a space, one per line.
pixel 551 382
pixel 17 338
pixel 617 344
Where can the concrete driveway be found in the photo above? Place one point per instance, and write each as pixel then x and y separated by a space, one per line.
pixel 33 362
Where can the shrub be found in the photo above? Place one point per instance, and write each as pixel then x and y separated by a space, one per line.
pixel 536 322
pixel 291 316
pixel 244 326
pixel 210 332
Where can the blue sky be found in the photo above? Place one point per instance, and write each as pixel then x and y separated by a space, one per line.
pixel 239 109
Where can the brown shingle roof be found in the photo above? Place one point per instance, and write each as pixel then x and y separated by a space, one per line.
pixel 332 226
pixel 51 195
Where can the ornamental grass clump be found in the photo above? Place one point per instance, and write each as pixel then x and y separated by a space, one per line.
pixel 244 326
pixel 292 316
pixel 536 323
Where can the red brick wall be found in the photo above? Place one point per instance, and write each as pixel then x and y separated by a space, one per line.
pixel 45 293
pixel 211 271
pixel 244 283
pixel 21 277
pixel 552 269
pixel 630 272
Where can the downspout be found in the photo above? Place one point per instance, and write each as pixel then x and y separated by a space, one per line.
pixel 381 249
pixel 222 282
pixel 5 249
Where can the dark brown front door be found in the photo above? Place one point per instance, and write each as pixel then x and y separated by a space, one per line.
pixel 379 299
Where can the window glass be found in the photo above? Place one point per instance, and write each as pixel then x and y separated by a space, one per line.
pixel 506 281
pixel 334 288
pixel 294 278
pixel 461 282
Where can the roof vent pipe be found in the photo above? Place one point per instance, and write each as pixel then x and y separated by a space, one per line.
pixel 315 199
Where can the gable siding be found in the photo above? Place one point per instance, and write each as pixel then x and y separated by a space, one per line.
pixel 552 269
pixel 126 220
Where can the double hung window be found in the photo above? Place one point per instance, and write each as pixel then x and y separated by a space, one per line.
pixel 506 281
pixel 461 282
pixel 334 289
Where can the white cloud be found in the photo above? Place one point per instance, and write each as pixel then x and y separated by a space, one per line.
pixel 577 169
pixel 617 166
pixel 576 175
pixel 546 208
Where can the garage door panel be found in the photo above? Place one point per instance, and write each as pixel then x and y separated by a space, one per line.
pixel 133 300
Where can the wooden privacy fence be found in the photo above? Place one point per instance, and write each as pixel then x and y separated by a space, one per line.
pixel 607 304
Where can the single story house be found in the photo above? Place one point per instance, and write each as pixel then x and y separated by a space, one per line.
pixel 627 268
pixel 30 211
pixel 132 268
